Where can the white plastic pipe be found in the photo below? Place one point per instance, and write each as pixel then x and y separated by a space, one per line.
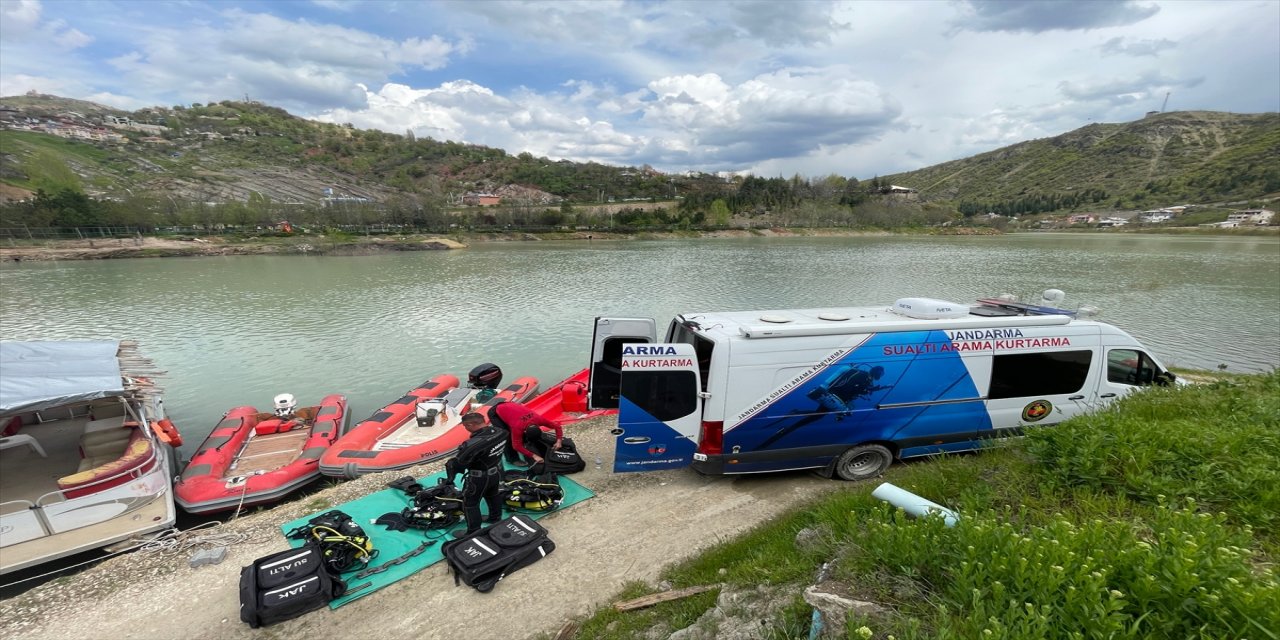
pixel 914 505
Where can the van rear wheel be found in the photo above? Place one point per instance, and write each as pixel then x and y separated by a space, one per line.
pixel 863 462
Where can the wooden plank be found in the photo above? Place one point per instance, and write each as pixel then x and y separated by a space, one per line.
pixel 665 596
pixel 569 630
pixel 269 452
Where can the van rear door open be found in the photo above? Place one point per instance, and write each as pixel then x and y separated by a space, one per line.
pixel 606 355
pixel 659 409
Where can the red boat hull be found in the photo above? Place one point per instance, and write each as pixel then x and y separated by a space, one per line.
pixel 211 483
pixel 361 451
pixel 566 402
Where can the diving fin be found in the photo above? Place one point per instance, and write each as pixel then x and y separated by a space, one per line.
pixel 393 521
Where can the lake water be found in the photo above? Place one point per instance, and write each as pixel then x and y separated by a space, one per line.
pixel 238 330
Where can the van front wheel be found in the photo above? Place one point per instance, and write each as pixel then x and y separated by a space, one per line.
pixel 863 462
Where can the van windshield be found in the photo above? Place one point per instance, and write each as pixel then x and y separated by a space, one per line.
pixel 681 332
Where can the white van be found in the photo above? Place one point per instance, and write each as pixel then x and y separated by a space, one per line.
pixel 848 390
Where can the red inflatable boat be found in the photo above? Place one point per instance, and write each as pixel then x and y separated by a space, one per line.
pixel 254 457
pixel 418 428
pixel 566 403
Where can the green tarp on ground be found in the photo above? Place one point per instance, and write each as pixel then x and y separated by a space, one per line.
pixel 393 544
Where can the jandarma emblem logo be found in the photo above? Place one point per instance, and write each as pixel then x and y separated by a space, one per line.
pixel 1036 411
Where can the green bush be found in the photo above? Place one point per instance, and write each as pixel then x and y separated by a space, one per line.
pixel 1217 443
pixel 1185 574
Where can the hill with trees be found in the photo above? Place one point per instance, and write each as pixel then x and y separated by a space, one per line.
pixel 1163 159
pixel 66 163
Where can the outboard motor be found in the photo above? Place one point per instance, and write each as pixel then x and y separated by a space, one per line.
pixel 485 376
pixel 285 404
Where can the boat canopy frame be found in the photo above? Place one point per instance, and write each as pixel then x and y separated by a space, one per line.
pixel 43 375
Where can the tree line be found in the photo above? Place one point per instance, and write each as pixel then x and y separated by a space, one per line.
pixel 1034 203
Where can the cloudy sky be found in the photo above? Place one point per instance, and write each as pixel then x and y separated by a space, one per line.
pixel 777 88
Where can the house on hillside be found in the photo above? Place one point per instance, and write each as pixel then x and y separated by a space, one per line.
pixel 1252 216
pixel 1156 216
pixel 343 201
pixel 1112 222
pixel 481 199
pixel 1082 218
pixel 904 193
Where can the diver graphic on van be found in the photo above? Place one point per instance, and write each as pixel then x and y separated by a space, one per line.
pixel 835 396
pixel 837 393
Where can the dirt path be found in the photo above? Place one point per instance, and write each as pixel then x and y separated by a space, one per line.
pixel 636 525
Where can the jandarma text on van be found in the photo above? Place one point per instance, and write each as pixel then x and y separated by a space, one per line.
pixel 984 334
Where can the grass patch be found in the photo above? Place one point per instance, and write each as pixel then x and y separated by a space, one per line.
pixel 1153 519
pixel 61 146
pixel 1218 444
pixel 317 504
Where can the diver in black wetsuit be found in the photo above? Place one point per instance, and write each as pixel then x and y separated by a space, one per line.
pixel 479 460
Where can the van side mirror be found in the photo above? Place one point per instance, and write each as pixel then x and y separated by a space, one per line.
pixel 1165 378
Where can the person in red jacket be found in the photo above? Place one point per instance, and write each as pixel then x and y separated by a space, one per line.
pixel 524 425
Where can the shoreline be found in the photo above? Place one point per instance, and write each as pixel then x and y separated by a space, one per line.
pixel 346 245
pixel 354 245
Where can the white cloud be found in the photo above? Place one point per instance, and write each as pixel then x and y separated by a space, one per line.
pixel 335 5
pixel 21 22
pixel 18 18
pixel 21 83
pixel 292 63
pixel 1125 89
pixel 679 121
pixel 72 39
pixel 1118 46
pixel 779 24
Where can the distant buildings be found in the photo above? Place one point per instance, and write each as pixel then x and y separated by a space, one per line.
pixel 125 123
pixel 481 199
pixel 339 201
pixel 1252 216
pixel 903 193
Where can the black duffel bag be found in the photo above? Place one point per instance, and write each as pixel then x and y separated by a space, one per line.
pixel 285 585
pixel 483 558
pixel 562 461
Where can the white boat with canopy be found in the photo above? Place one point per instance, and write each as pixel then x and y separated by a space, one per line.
pixel 85 449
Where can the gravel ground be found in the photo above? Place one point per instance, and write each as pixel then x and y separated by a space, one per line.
pixel 636 525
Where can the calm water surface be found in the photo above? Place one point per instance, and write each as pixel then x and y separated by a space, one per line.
pixel 238 330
